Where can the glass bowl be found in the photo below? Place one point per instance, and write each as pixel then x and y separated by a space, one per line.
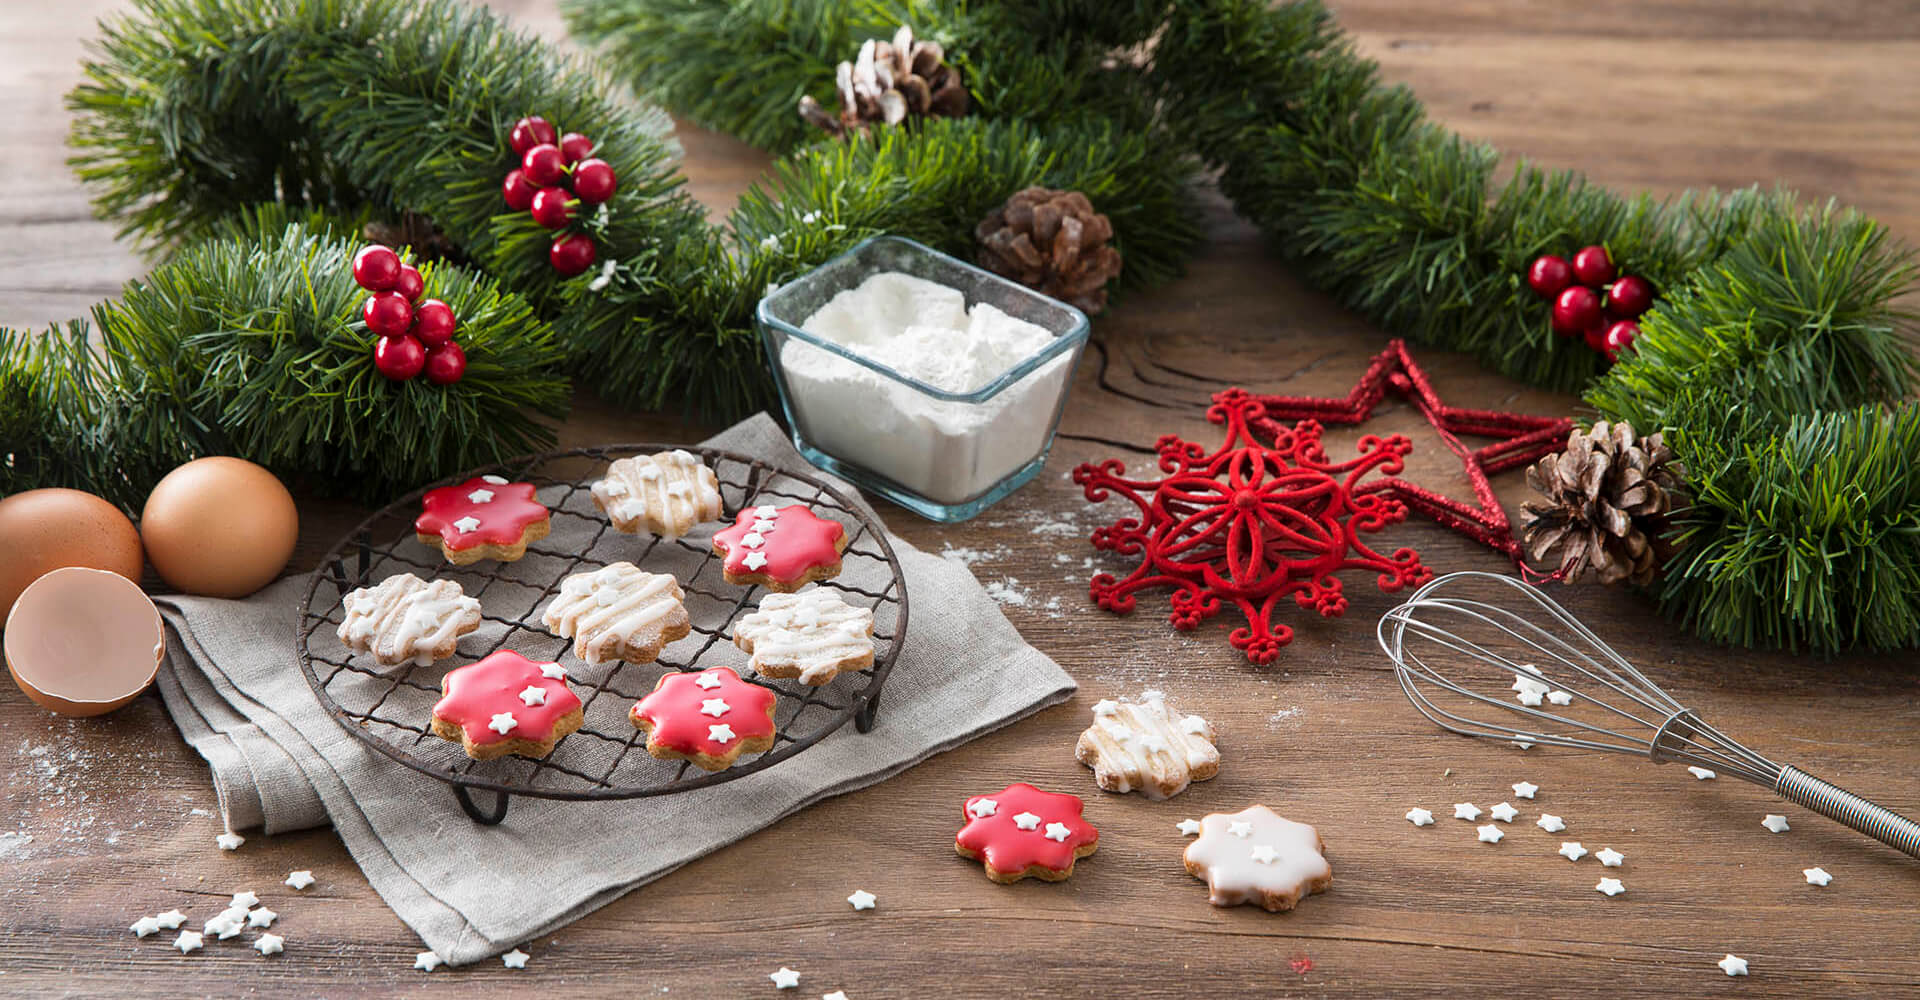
pixel 946 456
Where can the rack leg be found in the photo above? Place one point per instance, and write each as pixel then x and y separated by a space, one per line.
pixel 500 801
pixel 863 721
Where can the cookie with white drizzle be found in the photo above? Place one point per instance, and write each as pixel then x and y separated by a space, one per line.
pixel 619 612
pixel 1258 857
pixel 664 494
pixel 404 619
pixel 812 635
pixel 1147 747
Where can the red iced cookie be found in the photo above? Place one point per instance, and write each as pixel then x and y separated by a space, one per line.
pixel 482 518
pixel 780 548
pixel 709 718
pixel 506 704
pixel 1023 831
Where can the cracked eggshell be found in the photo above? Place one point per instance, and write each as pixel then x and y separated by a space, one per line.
pixel 83 641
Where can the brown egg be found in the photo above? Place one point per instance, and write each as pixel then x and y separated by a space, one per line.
pixel 219 527
pixel 83 641
pixel 43 530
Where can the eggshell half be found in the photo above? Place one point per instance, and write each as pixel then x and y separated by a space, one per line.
pixel 83 641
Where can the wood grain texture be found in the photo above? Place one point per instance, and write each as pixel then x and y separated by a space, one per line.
pixel 1823 97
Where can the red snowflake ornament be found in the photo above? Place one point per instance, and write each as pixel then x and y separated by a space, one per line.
pixel 1250 524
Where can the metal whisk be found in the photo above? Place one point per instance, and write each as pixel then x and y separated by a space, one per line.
pixel 1572 690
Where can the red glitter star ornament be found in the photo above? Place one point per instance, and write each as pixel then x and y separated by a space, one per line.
pixel 1251 524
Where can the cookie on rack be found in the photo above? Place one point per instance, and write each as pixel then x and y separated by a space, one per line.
pixel 710 718
pixel 506 704
pixel 404 619
pixel 619 612
pixel 1023 832
pixel 664 494
pixel 1146 746
pixel 486 517
pixel 780 548
pixel 1258 857
pixel 812 635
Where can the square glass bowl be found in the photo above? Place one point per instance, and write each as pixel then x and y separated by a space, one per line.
pixel 943 455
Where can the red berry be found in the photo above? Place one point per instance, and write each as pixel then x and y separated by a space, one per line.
pixel 575 146
pixel 544 165
pixel 550 207
pixel 518 190
pixel 388 314
pixel 1577 309
pixel 530 132
pixel 399 358
pixel 1593 266
pixel 410 283
pixel 593 181
pixel 1618 338
pixel 433 322
pixel 571 255
pixel 1549 275
pixel 1630 296
pixel 376 268
pixel 446 364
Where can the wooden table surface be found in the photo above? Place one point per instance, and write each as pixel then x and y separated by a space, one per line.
pixel 1640 93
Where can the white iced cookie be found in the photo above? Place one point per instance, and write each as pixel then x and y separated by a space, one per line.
pixel 1147 747
pixel 664 494
pixel 619 612
pixel 405 619
pixel 812 635
pixel 1255 856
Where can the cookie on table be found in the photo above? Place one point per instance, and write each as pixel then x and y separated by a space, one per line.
pixel 1146 746
pixel 780 548
pixel 664 494
pixel 1257 857
pixel 1023 832
pixel 506 704
pixel 813 635
pixel 404 619
pixel 483 518
pixel 709 718
pixel 619 612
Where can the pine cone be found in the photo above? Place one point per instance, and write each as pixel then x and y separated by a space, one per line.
pixel 1053 242
pixel 889 82
pixel 1609 496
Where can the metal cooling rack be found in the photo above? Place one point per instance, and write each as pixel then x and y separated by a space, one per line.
pixel 390 708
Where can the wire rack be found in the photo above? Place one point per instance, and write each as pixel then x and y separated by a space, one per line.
pixel 389 708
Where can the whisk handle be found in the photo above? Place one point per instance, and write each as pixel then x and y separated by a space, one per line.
pixel 1836 803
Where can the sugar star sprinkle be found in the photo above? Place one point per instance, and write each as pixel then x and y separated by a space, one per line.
pixel 466 524
pixel 1610 886
pixel 1550 823
pixel 270 944
pixel 1240 828
pixel 171 920
pixel 722 733
pixel 715 707
pixel 1525 790
pixel 426 961
pixel 862 899
pixel 1466 810
pixel 1775 823
pixel 1490 834
pixel 503 723
pixel 261 917
pixel 1572 850
pixel 1702 773
pixel 515 959
pixel 982 808
pixel 1610 857
pixel 1188 827
pixel 1106 706
pixel 533 695
pixel 1733 965
pixel 1058 832
pixel 1264 854
pixel 1521 744
pixel 784 978
pixel 835 995
pixel 300 879
pixel 1027 821
pixel 1815 876
pixel 480 496
pixel 189 941
pixel 1419 817
pixel 554 671
pixel 1504 812
pixel 229 841
pixel 1560 697
pixel 150 925
pixel 1531 699
pixel 244 900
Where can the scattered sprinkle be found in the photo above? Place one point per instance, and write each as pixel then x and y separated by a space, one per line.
pixel 244 900
pixel 1525 790
pixel 1550 823
pixel 1610 886
pixel 515 959
pixel 426 961
pixel 1815 876
pixel 151 925
pixel 1504 812
pixel 270 944
pixel 862 899
pixel 229 841
pixel 188 941
pixel 1521 744
pixel 1560 697
pixel 1733 965
pixel 300 879
pixel 1702 773
pixel 1419 817
pixel 1490 834
pixel 171 920
pixel 784 978
pixel 835 995
pixel 1610 857
pixel 1572 850
pixel 262 917
pixel 1466 810
pixel 1775 823
pixel 1191 827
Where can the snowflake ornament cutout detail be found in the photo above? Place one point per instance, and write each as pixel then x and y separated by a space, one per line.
pixel 1250 524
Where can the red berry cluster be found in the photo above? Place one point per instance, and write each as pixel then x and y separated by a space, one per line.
pixel 415 335
pixel 554 171
pixel 1590 301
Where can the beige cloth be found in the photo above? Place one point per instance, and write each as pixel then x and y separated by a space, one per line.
pixel 234 687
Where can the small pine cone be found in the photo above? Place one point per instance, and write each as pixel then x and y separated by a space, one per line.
pixel 890 83
pixel 1609 496
pixel 1052 242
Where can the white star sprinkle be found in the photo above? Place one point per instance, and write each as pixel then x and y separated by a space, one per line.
pixel 1560 697
pixel 1504 812
pixel 721 733
pixel 753 540
pixel 261 917
pixel 1240 828
pixel 1154 743
pixel 1530 668
pixel 1027 821
pixel 1815 876
pixel 189 941
pixel 1550 823
pixel 244 900
pixel 149 925
pixel 426 961
pixel 1188 827
pixel 224 925
pixel 1610 857
pixel 270 944
pixel 1193 725
pixel 495 480
pixel 1264 854
pixel 480 496
pixel 862 899
pixel 707 681
pixel 229 841
pixel 1530 698
pixel 982 808
pixel 1058 832
pixel 515 959
pixel 784 978
pixel 766 510
pixel 1572 850
pixel 533 695
pixel 553 671
pixel 1523 685
pixel 171 920
pixel 300 879
pixel 1702 773
pixel 1525 790
pixel 1521 744
pixel 1106 706
pixel 1610 886
pixel 466 524
pixel 1775 823
pixel 715 707
pixel 763 526
pixel 835 995
pixel 1733 965
pixel 503 723
pixel 1420 817
pixel 754 560
pixel 1466 810
pixel 1490 834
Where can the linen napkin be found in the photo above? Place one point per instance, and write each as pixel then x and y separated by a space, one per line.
pixel 233 685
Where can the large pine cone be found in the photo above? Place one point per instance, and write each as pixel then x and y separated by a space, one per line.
pixel 889 82
pixel 1609 496
pixel 1053 242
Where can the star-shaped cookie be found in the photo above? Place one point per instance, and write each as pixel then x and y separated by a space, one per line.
pixel 484 708
pixel 486 517
pixel 780 548
pixel 1147 747
pixel 813 635
pixel 664 494
pixel 710 718
pixel 1023 832
pixel 619 612
pixel 1257 857
pixel 404 619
